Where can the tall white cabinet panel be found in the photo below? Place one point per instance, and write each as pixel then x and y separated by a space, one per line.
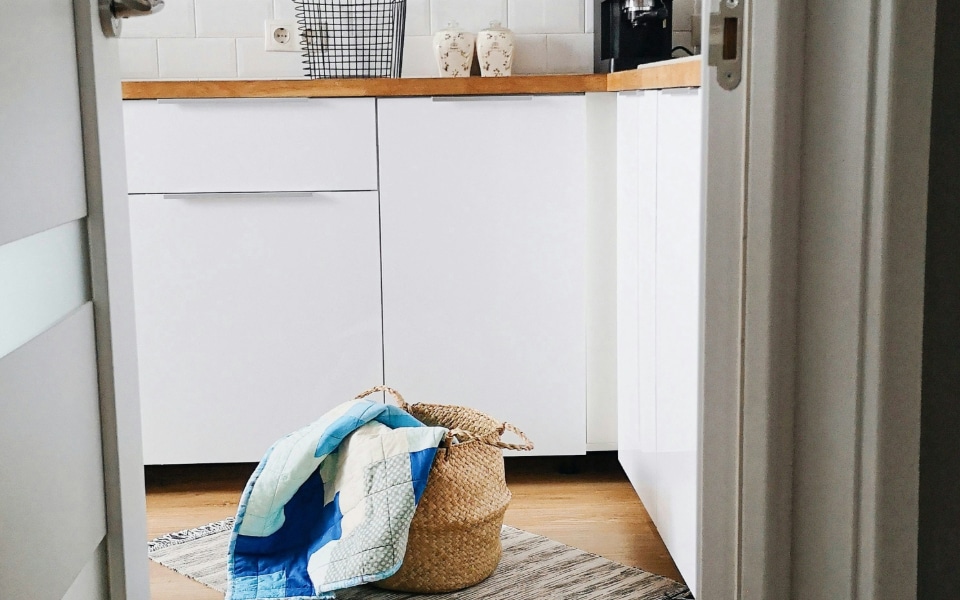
pixel 636 278
pixel 483 229
pixel 628 297
pixel 678 300
pixel 659 299
pixel 256 313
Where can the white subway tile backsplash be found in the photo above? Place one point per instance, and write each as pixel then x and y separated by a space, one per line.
pixel 223 39
pixel 472 15
pixel 570 53
pixel 284 9
pixel 138 58
pixel 253 62
pixel 546 16
pixel 418 18
pixel 418 58
pixel 530 54
pixel 232 18
pixel 197 58
pixel 175 20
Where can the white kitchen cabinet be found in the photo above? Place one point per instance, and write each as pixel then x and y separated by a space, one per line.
pixel 250 144
pixel 678 301
pixel 659 300
pixel 256 313
pixel 483 206
pixel 636 290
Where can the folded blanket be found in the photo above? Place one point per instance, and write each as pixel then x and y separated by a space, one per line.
pixel 330 505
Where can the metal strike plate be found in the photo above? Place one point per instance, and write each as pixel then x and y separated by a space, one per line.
pixel 726 43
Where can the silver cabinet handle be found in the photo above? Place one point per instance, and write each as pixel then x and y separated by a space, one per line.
pixel 231 100
pixel 481 98
pixel 237 195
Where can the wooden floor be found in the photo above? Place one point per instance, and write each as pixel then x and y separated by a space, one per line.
pixel 585 502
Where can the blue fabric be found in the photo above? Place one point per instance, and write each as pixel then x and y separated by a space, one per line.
pixel 290 539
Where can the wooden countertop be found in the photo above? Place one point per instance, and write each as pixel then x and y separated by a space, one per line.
pixel 681 72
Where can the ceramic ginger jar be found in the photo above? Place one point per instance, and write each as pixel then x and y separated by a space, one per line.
pixel 453 48
pixel 495 51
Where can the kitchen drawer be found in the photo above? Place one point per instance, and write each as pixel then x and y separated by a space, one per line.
pixel 251 145
pixel 256 314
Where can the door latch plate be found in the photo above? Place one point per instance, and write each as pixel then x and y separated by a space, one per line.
pixel 726 43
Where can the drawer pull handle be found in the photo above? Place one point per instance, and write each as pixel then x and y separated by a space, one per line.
pixel 237 195
pixel 481 98
pixel 230 100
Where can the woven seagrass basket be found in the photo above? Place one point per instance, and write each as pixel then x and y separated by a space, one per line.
pixel 454 539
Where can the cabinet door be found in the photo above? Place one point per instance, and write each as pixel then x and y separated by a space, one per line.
pixel 636 302
pixel 255 314
pixel 628 299
pixel 678 300
pixel 483 219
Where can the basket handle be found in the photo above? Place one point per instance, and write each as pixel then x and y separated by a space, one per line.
pixel 469 436
pixel 526 445
pixel 383 388
pixel 461 434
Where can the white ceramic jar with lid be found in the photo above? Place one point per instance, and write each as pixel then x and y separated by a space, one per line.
pixel 495 50
pixel 453 48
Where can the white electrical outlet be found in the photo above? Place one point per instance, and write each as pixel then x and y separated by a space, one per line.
pixel 281 35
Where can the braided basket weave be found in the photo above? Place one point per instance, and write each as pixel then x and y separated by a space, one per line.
pixel 454 539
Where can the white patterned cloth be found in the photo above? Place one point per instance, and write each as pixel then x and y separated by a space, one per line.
pixel 329 506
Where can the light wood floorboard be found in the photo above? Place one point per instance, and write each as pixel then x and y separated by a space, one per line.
pixel 584 502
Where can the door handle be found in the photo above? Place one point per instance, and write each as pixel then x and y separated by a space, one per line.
pixel 113 11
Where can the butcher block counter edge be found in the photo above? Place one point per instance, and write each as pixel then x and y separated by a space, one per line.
pixel 683 72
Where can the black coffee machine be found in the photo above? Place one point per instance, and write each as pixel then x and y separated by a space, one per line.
pixel 634 32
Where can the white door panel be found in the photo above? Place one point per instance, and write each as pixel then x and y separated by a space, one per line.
pixel 41 153
pixel 51 524
pixel 71 479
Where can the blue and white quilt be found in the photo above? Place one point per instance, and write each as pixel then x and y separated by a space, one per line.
pixel 330 506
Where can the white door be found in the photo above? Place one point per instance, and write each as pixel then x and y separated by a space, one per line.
pixel 71 484
pixel 815 182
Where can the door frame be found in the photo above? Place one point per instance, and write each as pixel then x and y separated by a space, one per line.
pixel 108 230
pixel 815 191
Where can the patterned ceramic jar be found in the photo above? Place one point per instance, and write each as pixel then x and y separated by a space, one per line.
pixel 453 48
pixel 495 51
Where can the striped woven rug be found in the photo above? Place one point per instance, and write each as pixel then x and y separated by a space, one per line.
pixel 533 568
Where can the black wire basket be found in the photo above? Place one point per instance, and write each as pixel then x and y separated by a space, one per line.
pixel 352 38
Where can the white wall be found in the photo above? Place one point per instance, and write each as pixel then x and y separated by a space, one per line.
pixel 223 39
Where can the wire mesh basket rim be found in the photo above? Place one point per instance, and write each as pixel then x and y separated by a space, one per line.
pixel 352 38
